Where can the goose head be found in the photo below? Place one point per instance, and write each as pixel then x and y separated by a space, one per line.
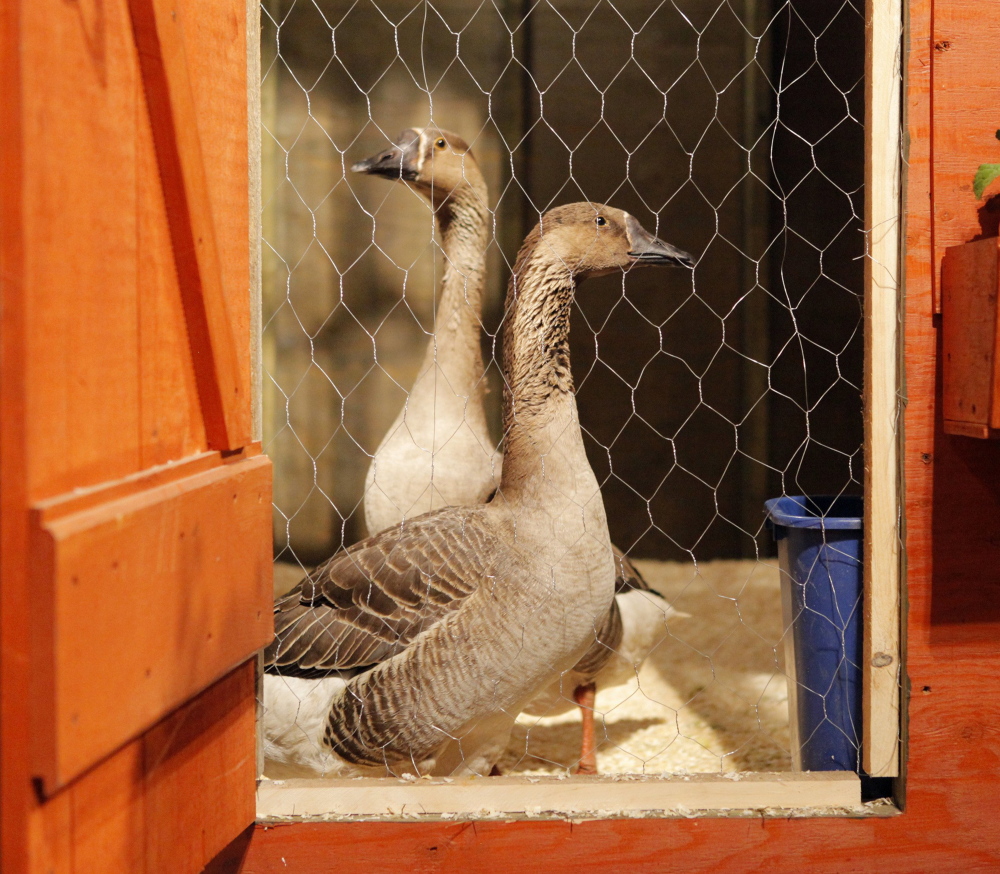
pixel 436 163
pixel 570 243
pixel 592 239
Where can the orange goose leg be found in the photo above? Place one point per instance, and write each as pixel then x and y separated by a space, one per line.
pixel 584 698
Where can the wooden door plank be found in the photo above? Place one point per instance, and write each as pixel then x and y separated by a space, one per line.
pixel 201 769
pixel 79 222
pixel 223 384
pixel 163 591
pixel 165 802
pixel 883 151
pixel 108 828
pixel 50 836
pixel 15 601
pixel 215 36
pixel 171 421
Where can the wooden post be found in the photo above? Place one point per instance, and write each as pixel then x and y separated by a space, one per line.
pixel 883 143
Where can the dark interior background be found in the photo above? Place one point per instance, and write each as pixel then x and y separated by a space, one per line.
pixel 732 129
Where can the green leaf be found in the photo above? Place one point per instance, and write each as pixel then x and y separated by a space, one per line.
pixel 984 176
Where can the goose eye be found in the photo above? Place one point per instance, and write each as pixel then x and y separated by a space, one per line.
pixel 440 143
pixel 601 221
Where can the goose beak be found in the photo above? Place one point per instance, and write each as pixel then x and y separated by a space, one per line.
pixel 399 161
pixel 644 248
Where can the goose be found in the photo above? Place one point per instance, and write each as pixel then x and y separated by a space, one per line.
pixel 441 430
pixel 433 635
pixel 438 451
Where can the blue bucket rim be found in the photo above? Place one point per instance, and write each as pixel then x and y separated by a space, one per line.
pixel 778 512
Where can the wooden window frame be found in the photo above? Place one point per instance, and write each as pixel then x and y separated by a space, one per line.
pixel 819 792
pixel 948 624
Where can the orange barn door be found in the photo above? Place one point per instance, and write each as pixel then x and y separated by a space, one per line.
pixel 135 536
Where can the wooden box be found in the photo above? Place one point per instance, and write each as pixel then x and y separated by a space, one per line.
pixel 971 339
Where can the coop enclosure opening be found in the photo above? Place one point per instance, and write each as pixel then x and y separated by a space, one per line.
pixel 734 131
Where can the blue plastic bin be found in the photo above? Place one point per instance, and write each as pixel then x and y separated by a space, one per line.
pixel 819 553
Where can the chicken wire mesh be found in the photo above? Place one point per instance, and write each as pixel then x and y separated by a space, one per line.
pixel 734 130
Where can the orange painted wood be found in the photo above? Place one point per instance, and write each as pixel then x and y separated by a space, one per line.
pixel 965 44
pixel 107 342
pixel 78 216
pixel 98 384
pixel 167 801
pixel 141 602
pixel 15 602
pixel 201 771
pixel 168 431
pixel 223 385
pixel 952 770
pixel 971 339
pixel 108 818
pixel 171 472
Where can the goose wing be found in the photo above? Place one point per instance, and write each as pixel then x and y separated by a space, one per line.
pixel 370 601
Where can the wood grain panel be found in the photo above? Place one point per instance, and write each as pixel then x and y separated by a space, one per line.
pixel 832 845
pixel 966 96
pixel 80 259
pixel 200 766
pixel 163 590
pixel 108 825
pixel 170 411
pixel 223 379
pixel 969 335
pixel 217 65
pixel 15 602
pixel 50 836
pixel 166 802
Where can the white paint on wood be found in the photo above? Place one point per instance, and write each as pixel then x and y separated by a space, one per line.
pixel 883 147
pixel 486 797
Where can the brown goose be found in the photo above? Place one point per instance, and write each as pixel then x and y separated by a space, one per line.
pixel 446 626
pixel 442 428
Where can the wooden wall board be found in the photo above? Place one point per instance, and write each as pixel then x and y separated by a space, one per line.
pixel 79 99
pixel 100 270
pixel 200 767
pixel 970 339
pixel 97 385
pixel 107 825
pixel 15 599
pixel 168 430
pixel 167 75
pixel 959 608
pixel 137 812
pixel 164 590
pixel 966 96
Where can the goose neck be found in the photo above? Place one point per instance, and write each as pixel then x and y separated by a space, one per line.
pixel 463 225
pixel 541 425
